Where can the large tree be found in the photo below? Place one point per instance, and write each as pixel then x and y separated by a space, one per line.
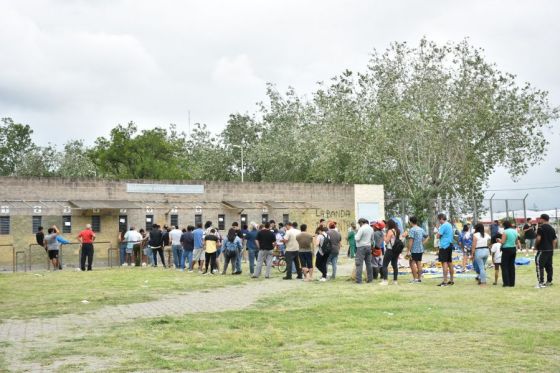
pixel 156 153
pixel 429 122
pixel 15 143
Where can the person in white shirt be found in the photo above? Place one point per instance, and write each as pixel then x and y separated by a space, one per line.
pixel 133 240
pixel 496 257
pixel 292 251
pixel 176 247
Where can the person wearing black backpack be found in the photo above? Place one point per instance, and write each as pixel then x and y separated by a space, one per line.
pixel 324 247
pixel 393 248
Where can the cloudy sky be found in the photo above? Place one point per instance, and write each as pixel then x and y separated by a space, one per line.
pixel 75 69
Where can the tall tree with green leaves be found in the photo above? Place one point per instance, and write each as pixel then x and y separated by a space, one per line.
pixel 155 153
pixel 15 143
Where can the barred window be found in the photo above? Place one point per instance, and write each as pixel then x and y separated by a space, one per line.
pixel 36 222
pixel 175 220
pixel 96 223
pixel 4 225
pixel 67 224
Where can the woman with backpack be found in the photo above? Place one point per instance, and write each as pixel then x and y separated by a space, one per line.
pixel 321 257
pixel 393 248
pixel 231 248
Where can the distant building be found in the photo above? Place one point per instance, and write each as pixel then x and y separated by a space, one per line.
pixel 110 206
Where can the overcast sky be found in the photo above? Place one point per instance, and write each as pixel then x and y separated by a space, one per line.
pixel 75 69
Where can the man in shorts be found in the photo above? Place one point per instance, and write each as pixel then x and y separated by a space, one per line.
pixel 417 238
pixel 445 254
pixel 198 252
pixel 305 241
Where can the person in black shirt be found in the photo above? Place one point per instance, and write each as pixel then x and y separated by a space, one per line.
pixel 265 243
pixel 529 235
pixel 40 237
pixel 545 244
pixel 156 244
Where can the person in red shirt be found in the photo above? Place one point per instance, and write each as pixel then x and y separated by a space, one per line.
pixel 86 238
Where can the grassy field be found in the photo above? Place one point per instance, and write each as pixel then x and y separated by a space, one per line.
pixel 46 294
pixel 335 326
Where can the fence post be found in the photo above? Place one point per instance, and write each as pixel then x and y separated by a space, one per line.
pixel 491 209
pixel 525 206
pixel 507 209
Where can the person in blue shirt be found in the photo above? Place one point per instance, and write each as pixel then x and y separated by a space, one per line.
pixel 198 252
pixel 417 238
pixel 251 237
pixel 445 255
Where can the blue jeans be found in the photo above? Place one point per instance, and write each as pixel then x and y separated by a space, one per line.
pixel 252 257
pixel 480 257
pixel 122 252
pixel 187 255
pixel 177 255
pixel 238 260
pixel 333 260
pixel 148 252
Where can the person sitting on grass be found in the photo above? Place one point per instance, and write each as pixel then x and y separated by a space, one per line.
pixel 231 249
pixel 210 247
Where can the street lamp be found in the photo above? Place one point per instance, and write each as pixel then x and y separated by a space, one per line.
pixel 242 164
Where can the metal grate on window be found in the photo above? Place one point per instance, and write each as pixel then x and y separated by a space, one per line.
pixel 286 218
pixel 264 218
pixel 67 224
pixel 221 222
pixel 197 219
pixel 4 225
pixel 36 222
pixel 243 219
pixel 175 220
pixel 122 223
pixel 149 222
pixel 96 223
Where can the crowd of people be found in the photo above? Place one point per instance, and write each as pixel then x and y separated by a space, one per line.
pixel 374 245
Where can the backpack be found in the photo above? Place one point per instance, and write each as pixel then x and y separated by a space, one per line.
pixel 326 246
pixel 398 245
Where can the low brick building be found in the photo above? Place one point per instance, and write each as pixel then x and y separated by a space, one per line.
pixel 110 206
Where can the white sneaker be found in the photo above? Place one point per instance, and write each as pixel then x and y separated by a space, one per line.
pixel 383 283
pixel 540 286
pixel 395 283
pixel 323 279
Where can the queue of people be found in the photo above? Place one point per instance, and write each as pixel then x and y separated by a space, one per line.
pixel 375 245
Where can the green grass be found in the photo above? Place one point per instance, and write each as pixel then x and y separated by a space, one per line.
pixel 48 294
pixel 341 326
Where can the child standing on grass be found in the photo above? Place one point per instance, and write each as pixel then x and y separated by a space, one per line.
pixel 496 257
